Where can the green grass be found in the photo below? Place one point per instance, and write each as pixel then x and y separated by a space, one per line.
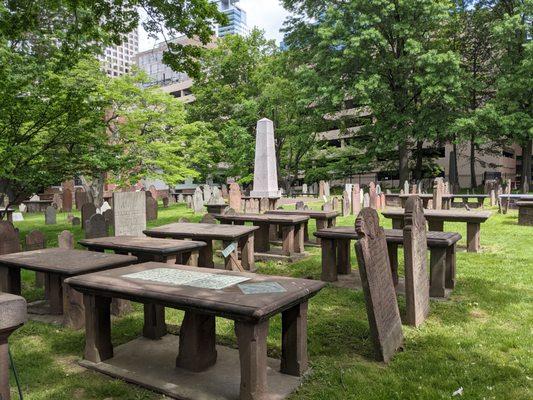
pixel 481 339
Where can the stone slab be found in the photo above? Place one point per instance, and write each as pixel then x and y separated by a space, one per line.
pixel 13 311
pixel 151 364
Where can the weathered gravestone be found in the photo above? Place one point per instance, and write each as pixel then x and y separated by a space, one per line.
pixel 57 202
pixel 67 200
pixel 151 209
pixel 166 201
pixel 406 187
pixel 198 201
pixel 87 211
pixel 224 191
pixel 321 188
pixel 304 188
pixel 96 227
pixel 373 196
pixel 208 219
pixel 216 196
pixel 80 198
pixel 327 207
pixel 181 199
pixel 207 194
pixel 9 243
pixel 65 240
pixel 300 205
pixel 108 217
pixel 335 204
pixel 129 213
pixel 23 208
pixel 235 196
pixel 366 200
pixel 438 192
pixel 414 189
pixel 50 216
pixel 415 261
pixel 327 190
pixel 378 287
pixel 356 199
pixel 382 201
pixel 76 221
pixel 345 204
pixel 153 192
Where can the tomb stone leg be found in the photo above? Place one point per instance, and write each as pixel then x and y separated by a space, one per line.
pixel 472 237
pixel 10 280
pixel 288 240
pixel 98 345
pixel 343 257
pixel 436 225
pixel 299 237
pixel 251 339
pixel 197 350
pixel 329 260
pixel 247 252
pixel 321 224
pixel 55 295
pixel 262 238
pixel 393 258
pixel 205 259
pixel 437 272
pixel 154 321
pixel 397 223
pixel 73 308
pixel 294 340
pixel 450 267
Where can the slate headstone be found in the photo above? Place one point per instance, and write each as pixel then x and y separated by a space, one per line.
pixel 35 240
pixel 65 240
pixel 96 227
pixel 9 238
pixel 151 209
pixel 129 213
pixel 80 198
pixel 235 196
pixel 67 200
pixel 50 216
pixel 76 221
pixel 166 201
pixel 87 211
pixel 378 287
pixel 356 199
pixel 415 261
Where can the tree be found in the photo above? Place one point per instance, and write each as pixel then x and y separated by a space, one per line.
pixel 390 56
pixel 245 79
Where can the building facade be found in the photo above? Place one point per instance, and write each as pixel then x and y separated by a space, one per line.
pixel 118 60
pixel 236 16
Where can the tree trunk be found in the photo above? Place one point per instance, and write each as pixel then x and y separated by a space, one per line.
pixel 404 163
pixel 473 180
pixel 525 184
pixel 94 187
pixel 417 173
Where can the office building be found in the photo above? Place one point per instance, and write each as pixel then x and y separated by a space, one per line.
pixel 118 60
pixel 236 16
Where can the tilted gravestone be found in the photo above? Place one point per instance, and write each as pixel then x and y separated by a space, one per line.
pixel 198 201
pixel 235 196
pixel 129 213
pixel 356 199
pixel 345 204
pixel 300 205
pixel 87 211
pixel 65 240
pixel 378 287
pixel 67 200
pixel 35 240
pixel 50 216
pixel 415 261
pixel 9 243
pixel 96 227
pixel 151 209
pixel 80 198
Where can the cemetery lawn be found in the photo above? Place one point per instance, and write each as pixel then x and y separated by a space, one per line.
pixel 479 343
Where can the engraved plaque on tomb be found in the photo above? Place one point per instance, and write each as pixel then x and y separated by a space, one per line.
pixel 129 213
pixel 415 258
pixel 200 280
pixel 378 287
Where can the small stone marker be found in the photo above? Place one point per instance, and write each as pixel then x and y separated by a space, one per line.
pixel 151 209
pixel 87 211
pixel 300 205
pixel 35 240
pixel 208 219
pixel 17 217
pixel 23 208
pixel 166 201
pixel 415 261
pixel 65 240
pixel 378 287
pixel 67 200
pixel 198 201
pixel 235 196
pixel 405 187
pixel 304 188
pixel 345 204
pixel 96 227
pixel 438 192
pixel 50 216
pixel 129 213
pixel 183 220
pixel 366 200
pixel 76 221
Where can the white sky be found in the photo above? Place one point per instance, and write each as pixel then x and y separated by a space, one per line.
pixel 265 14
